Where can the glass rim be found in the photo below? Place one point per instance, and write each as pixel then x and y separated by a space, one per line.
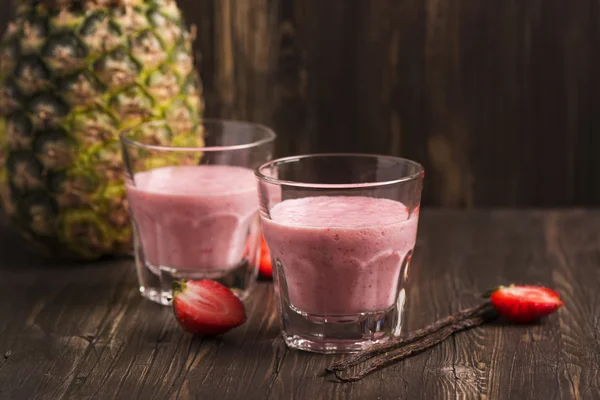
pixel 362 185
pixel 270 137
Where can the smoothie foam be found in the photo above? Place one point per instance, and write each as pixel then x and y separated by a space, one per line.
pixel 341 255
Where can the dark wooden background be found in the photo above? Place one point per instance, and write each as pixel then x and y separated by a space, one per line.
pixel 499 99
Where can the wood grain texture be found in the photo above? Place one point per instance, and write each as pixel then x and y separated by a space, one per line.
pixel 83 331
pixel 497 99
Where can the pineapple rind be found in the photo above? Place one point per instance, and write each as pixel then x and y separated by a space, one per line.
pixel 78 73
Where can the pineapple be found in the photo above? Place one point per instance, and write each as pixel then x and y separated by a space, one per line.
pixel 73 73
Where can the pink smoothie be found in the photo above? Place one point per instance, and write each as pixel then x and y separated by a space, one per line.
pixel 341 255
pixel 194 218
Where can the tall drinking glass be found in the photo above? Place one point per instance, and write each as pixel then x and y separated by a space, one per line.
pixel 193 203
pixel 341 229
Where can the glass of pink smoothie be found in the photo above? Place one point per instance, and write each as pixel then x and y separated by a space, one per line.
pixel 193 203
pixel 341 229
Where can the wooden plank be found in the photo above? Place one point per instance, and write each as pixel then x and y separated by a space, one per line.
pixel 82 331
pixel 497 99
pixel 50 317
pixel 572 249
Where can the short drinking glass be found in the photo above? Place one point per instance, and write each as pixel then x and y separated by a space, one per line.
pixel 194 205
pixel 341 229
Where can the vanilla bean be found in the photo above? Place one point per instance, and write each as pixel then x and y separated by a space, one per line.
pixel 417 346
pixel 411 337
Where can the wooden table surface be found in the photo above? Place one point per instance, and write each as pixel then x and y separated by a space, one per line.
pixel 83 332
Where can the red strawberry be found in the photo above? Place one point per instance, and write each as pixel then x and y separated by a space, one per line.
pixel 524 304
pixel 206 307
pixel 265 267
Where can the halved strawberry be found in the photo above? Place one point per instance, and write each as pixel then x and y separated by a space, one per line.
pixel 265 266
pixel 524 304
pixel 206 307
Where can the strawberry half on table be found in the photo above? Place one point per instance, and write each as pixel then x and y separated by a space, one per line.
pixel 206 307
pixel 523 303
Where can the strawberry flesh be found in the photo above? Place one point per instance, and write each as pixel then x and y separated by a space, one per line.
pixel 525 304
pixel 206 307
pixel 266 266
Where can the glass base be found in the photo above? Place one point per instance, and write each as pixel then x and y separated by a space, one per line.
pixel 156 282
pixel 341 333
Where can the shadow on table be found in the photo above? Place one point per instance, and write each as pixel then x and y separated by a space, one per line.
pixel 506 324
pixel 18 254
